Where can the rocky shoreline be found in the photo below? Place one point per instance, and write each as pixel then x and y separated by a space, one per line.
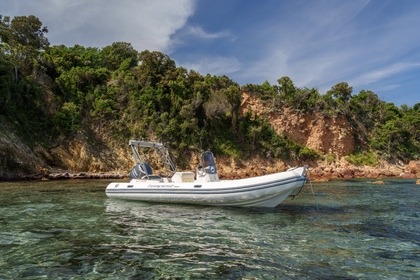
pixel 321 171
pixel 318 173
pixel 62 176
pixel 411 171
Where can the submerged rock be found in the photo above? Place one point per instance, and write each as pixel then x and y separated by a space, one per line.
pixel 379 182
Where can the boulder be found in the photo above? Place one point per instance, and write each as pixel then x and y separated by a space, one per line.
pixel 347 173
pixel 414 166
pixel 378 182
pixel 406 175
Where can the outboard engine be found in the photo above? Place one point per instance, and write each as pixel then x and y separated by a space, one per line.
pixel 140 170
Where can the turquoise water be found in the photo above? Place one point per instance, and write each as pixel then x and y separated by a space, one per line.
pixel 349 230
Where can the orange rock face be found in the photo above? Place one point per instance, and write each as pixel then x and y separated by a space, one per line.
pixel 316 131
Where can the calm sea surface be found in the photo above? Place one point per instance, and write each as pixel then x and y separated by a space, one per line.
pixel 71 230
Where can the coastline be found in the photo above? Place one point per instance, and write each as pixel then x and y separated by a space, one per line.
pixel 62 176
pixel 317 173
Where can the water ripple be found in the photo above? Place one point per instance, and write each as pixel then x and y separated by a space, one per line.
pixel 351 230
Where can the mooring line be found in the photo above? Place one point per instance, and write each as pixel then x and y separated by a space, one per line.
pixel 312 190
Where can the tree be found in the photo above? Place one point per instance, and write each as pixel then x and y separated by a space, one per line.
pixel 217 106
pixel 120 55
pixel 341 92
pixel 398 136
pixel 6 83
pixel 366 107
pixel 287 88
pixel 153 66
pixel 336 100
pixel 234 98
pixel 23 38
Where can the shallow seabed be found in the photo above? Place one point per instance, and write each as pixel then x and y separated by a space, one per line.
pixel 71 230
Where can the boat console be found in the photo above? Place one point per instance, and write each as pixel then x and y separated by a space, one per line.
pixel 207 171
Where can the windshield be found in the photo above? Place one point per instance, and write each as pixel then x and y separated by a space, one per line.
pixel 208 163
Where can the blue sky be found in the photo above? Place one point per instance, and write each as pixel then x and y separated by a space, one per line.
pixel 372 45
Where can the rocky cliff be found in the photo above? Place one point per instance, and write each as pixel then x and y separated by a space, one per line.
pixel 316 131
pixel 333 137
pixel 77 157
pixel 82 157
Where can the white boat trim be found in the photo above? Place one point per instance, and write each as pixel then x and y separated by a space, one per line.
pixel 204 187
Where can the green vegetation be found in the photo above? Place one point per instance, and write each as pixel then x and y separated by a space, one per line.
pixel 56 92
pixel 381 126
pixel 330 157
pixel 364 158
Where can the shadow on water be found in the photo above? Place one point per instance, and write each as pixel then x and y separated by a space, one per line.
pixel 382 229
pixel 310 209
pixel 367 223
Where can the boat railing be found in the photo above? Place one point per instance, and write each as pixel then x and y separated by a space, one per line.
pixel 159 147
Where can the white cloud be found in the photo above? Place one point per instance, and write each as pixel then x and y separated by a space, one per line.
pixel 200 33
pixel 146 24
pixel 321 45
pixel 216 65
pixel 385 72
pixel 315 43
pixel 311 45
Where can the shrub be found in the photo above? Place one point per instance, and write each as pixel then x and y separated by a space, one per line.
pixel 364 158
pixel 308 154
pixel 330 157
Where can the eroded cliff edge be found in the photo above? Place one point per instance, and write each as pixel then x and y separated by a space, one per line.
pixel 99 157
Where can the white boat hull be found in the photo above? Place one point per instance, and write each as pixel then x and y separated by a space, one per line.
pixel 262 191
